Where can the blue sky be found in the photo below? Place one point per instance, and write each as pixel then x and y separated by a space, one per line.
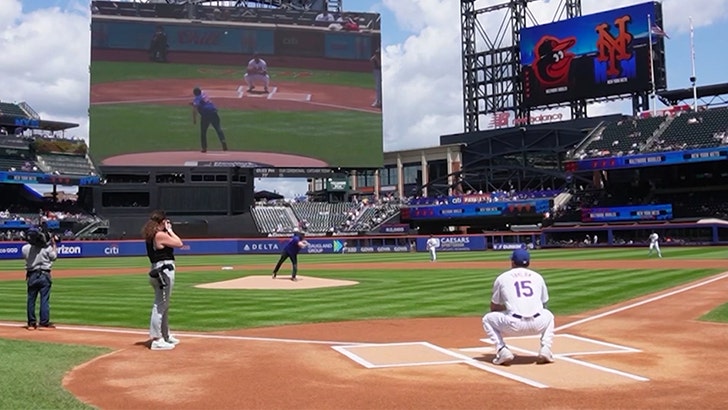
pixel 46 59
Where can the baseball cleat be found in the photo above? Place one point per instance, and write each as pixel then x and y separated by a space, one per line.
pixel 503 357
pixel 274 275
pixel 545 356
pixel 161 344
pixel 172 340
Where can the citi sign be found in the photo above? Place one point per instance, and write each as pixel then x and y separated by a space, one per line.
pixel 111 250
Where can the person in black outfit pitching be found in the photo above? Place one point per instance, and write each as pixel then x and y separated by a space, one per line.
pixel 161 241
pixel 208 116
pixel 291 251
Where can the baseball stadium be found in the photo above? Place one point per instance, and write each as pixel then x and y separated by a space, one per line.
pixel 624 216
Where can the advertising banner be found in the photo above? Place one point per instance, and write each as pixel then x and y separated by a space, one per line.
pixel 454 243
pixel 137 35
pixel 469 210
pixel 11 250
pixel 394 228
pixel 301 43
pixel 508 246
pixel 649 160
pixel 660 212
pixel 591 56
pixel 377 249
pixel 350 46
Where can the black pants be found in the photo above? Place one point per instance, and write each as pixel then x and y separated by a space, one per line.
pixel 39 283
pixel 205 121
pixel 294 262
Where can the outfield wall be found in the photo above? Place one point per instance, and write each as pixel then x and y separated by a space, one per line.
pixel 116 38
pixel 671 234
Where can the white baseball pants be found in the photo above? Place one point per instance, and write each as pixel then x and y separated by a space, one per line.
pixel 433 254
pixel 501 324
pixel 656 247
pixel 253 79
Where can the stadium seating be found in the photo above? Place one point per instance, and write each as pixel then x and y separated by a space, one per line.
pixel 11 109
pixel 622 138
pixel 285 12
pixel 66 164
pixel 272 219
pixel 694 130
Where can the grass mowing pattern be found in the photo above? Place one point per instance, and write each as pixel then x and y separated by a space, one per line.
pixel 108 71
pixel 31 374
pixel 125 300
pixel 350 138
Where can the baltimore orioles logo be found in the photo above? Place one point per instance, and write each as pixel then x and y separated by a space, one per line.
pixel 553 60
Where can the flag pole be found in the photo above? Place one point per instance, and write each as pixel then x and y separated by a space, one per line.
pixel 652 65
pixel 692 60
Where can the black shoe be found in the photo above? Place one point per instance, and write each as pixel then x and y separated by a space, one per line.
pixel 224 146
pixel 203 151
pixel 294 279
pixel 31 326
pixel 274 275
pixel 48 325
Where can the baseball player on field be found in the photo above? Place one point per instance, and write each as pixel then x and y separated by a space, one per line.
pixel 257 72
pixel 432 245
pixel 518 308
pixel 654 244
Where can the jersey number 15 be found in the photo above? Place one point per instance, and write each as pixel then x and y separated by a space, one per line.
pixel 523 288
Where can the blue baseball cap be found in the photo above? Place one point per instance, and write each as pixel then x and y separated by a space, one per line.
pixel 521 257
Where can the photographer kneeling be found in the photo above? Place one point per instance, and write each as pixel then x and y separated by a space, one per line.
pixel 39 253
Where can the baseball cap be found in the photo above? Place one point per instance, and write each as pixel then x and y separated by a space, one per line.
pixel 521 257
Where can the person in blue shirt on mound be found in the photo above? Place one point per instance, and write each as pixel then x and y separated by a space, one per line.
pixel 208 116
pixel 291 251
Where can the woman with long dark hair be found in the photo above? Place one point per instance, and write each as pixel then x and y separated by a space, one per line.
pixel 161 241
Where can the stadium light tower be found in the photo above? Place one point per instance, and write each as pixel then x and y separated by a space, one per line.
pixel 491 60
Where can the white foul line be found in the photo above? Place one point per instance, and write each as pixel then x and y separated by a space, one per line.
pixel 193 335
pixel 640 303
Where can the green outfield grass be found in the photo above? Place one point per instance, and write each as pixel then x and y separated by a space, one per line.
pixel 337 137
pixel 380 293
pixel 125 300
pixel 108 71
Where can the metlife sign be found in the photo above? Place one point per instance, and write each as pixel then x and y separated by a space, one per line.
pixel 455 243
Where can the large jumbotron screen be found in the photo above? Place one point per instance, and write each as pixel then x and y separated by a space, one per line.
pixel 596 55
pixel 320 107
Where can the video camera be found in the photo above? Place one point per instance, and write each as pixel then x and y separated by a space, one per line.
pixel 39 236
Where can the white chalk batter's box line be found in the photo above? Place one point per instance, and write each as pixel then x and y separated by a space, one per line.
pixel 460 358
pixel 617 348
pixel 369 365
pixel 273 94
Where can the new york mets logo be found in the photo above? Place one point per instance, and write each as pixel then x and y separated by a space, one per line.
pixel 613 49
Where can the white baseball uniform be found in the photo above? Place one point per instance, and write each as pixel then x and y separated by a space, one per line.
pixel 655 244
pixel 432 245
pixel 524 294
pixel 257 72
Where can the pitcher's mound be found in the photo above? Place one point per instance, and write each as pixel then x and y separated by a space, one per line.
pixel 281 282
